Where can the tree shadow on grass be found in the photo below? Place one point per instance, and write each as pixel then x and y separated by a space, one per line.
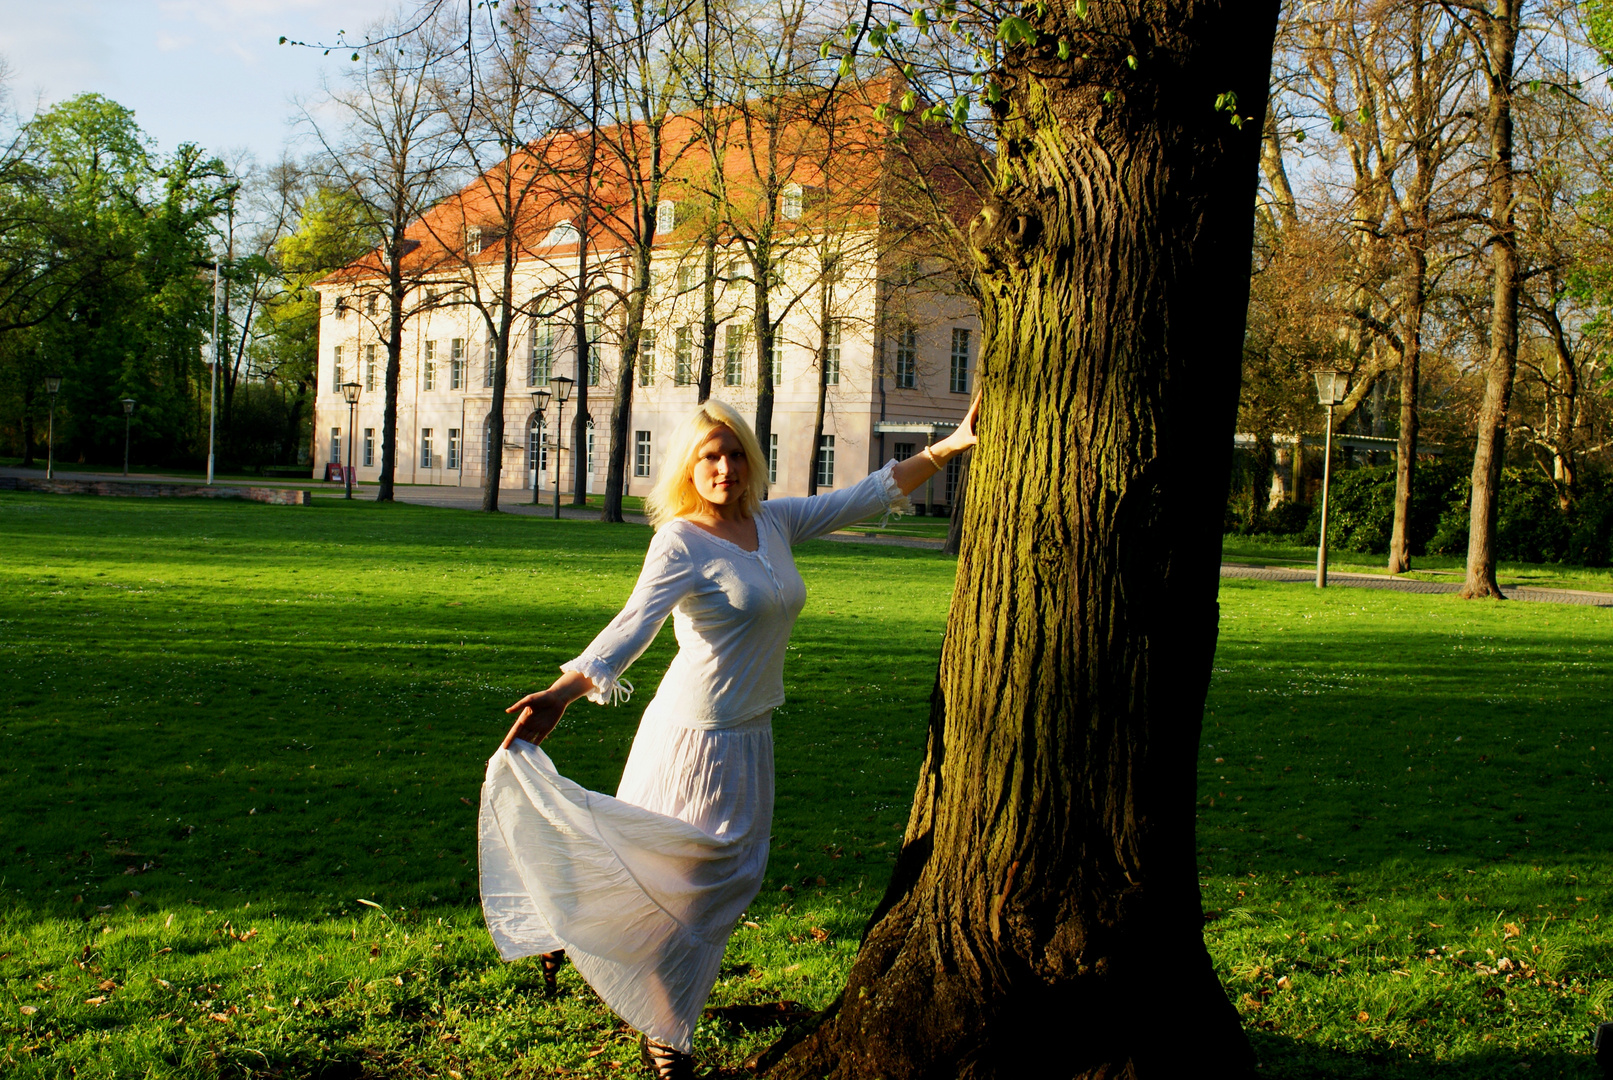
pixel 1289 1059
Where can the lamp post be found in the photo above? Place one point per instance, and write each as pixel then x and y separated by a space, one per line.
pixel 562 391
pixel 540 401
pixel 350 394
pixel 212 392
pixel 53 386
pixel 128 413
pixel 1330 387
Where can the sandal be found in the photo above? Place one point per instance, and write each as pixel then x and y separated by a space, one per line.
pixel 665 1063
pixel 552 963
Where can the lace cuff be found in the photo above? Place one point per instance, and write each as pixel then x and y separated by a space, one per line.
pixel 608 689
pixel 896 504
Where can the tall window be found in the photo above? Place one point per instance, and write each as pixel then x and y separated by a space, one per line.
pixel 596 331
pixel 685 278
pixel 341 307
pixel 791 200
pixel 536 453
pixel 487 376
pixel 456 367
pixel 772 457
pixel 902 451
pixel 336 369
pixel 683 359
pixel 646 358
pixel 831 354
pixel 826 461
pixel 666 213
pixel 960 360
pixel 425 449
pixel 336 445
pixel 733 355
pixel 954 472
pixel 370 304
pixel 369 367
pixel 540 354
pixel 453 448
pixel 907 358
pixel 641 453
pixel 369 447
pixel 590 448
pixel 777 358
pixel 429 374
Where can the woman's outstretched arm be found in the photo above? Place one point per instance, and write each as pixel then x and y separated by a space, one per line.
pixel 912 473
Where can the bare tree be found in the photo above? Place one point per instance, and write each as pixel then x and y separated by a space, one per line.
pixel 393 153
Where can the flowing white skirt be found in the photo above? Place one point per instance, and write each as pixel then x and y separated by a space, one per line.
pixel 641 890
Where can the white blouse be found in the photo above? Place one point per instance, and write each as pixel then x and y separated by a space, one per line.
pixel 732 610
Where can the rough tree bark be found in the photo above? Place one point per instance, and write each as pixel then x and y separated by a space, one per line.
pixel 1046 897
pixel 1498 24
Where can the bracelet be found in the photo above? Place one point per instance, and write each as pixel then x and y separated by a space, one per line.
pixel 934 464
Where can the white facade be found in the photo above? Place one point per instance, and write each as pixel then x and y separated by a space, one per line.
pixel 920 369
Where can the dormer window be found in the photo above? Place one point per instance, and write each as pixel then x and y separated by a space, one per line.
pixel 666 214
pixel 473 240
pixel 563 233
pixel 341 307
pixel 792 201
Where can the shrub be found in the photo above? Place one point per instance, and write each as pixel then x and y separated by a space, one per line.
pixel 1531 525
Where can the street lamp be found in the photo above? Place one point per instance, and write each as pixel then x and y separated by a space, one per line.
pixel 128 413
pixel 53 386
pixel 562 391
pixel 540 401
pixel 350 393
pixel 1330 389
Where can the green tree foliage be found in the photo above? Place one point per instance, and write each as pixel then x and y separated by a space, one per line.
pixel 104 283
pixel 331 232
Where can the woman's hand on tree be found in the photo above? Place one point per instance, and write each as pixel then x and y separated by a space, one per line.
pixel 964 438
pixel 540 713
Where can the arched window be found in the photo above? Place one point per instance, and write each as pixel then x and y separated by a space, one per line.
pixel 666 215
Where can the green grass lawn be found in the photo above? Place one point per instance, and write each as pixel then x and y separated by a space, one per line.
pixel 227 724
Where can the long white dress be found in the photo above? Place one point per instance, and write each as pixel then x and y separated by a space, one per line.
pixel 642 890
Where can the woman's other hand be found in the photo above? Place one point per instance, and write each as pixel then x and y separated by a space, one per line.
pixel 540 713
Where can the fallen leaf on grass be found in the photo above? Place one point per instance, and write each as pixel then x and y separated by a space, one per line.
pixel 820 934
pixel 108 984
pixel 220 1017
pixel 466 801
pixel 596 1051
pixel 1362 1017
pixel 29 1010
pixel 752 926
pixel 97 1000
pixel 1510 930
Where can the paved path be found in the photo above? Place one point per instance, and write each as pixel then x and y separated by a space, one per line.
pixel 519 501
pixel 1383 581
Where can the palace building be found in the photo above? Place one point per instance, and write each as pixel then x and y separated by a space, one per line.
pixel 855 306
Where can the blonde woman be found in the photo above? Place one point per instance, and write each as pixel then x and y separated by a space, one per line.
pixel 642 890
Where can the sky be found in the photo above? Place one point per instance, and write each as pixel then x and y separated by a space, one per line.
pixel 203 71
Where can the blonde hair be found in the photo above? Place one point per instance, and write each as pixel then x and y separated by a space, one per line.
pixel 674 494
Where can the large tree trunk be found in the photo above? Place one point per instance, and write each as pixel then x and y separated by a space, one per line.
pixel 823 390
pixel 1406 449
pixel 708 319
pixel 1500 25
pixel 621 413
pixel 398 292
pixel 1046 897
pixel 493 470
